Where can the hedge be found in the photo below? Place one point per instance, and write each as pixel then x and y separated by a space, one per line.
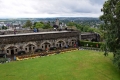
pixel 90 44
pixel 3 60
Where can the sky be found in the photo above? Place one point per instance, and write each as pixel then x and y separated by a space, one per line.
pixel 50 8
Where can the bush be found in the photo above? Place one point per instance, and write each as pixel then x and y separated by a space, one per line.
pixel 53 48
pixel 21 52
pixel 90 44
pixel 2 55
pixel 3 60
pixel 38 50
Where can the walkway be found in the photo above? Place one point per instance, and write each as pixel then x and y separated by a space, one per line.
pixel 21 34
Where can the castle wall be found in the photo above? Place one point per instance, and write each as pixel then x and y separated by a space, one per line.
pixel 29 42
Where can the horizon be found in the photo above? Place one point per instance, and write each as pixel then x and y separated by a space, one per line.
pixel 48 17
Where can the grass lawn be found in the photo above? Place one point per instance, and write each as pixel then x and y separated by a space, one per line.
pixel 76 65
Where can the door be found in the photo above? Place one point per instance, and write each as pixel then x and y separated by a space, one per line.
pixel 12 52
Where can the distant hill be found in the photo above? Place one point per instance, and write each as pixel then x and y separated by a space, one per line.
pixel 51 19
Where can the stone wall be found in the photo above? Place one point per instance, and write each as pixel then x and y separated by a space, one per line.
pixel 8 39
pixel 29 42
pixel 90 37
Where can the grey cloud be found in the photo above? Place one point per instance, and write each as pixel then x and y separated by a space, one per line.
pixel 66 6
pixel 52 7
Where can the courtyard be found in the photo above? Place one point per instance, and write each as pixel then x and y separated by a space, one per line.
pixel 74 65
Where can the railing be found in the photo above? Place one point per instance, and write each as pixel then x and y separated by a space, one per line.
pixel 90 48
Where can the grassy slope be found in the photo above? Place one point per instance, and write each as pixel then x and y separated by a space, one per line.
pixel 77 65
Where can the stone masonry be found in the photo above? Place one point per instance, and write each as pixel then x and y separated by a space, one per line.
pixel 29 42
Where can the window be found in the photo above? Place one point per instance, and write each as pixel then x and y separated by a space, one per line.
pixel 7 51
pixel 33 47
pixel 16 50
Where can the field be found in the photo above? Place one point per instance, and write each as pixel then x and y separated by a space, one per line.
pixel 75 65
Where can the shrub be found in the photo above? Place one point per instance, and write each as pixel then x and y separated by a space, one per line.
pixel 38 50
pixel 21 52
pixel 90 44
pixel 53 48
pixel 3 60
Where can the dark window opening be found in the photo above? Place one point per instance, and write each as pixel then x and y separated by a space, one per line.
pixel 7 51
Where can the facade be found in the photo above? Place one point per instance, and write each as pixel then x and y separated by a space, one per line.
pixel 29 42
pixel 90 37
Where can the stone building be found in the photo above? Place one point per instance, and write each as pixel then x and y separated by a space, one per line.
pixel 90 37
pixel 29 42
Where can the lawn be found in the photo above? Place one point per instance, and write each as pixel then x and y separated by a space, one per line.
pixel 75 65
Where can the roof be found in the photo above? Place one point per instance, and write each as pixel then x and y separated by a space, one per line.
pixel 33 33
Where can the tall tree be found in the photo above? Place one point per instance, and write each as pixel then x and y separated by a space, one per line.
pixel 28 24
pixel 111 26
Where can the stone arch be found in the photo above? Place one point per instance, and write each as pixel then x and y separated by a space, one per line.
pixel 11 49
pixel 45 44
pixel 60 43
pixel 7 46
pixel 72 42
pixel 30 46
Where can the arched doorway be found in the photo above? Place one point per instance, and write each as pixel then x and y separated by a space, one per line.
pixel 12 50
pixel 46 45
pixel 60 44
pixel 30 48
pixel 73 43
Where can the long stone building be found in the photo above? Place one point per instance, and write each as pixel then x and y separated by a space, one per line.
pixel 90 37
pixel 29 42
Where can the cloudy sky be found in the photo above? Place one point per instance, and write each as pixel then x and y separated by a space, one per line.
pixel 50 8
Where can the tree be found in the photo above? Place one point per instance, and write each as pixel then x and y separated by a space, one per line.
pixel 47 26
pixel 4 27
pixel 71 24
pixel 111 26
pixel 28 24
pixel 34 24
pixel 39 25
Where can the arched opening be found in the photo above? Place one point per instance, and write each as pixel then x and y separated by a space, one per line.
pixel 45 46
pixel 12 50
pixel 73 43
pixel 30 48
pixel 60 44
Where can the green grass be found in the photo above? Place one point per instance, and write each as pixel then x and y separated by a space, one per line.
pixel 76 65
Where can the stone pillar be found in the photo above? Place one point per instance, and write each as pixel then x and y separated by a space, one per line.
pixel 27 49
pixel 48 46
pixel 15 52
pixel 44 47
pixel 61 44
pixel 32 48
